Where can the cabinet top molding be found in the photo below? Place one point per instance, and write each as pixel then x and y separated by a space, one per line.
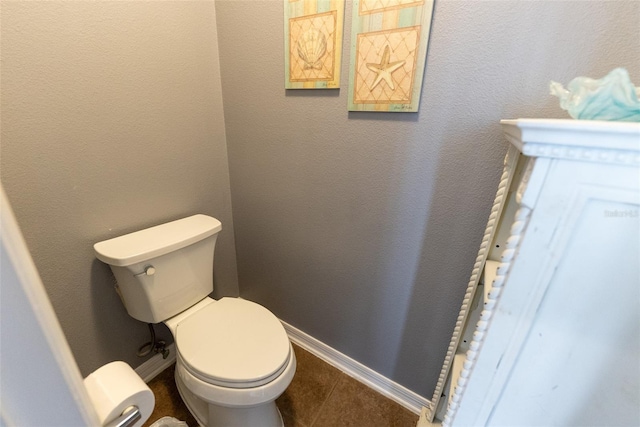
pixel 584 140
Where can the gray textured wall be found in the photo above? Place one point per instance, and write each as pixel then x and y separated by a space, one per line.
pixel 361 228
pixel 111 122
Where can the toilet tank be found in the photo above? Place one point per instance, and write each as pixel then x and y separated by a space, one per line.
pixel 163 270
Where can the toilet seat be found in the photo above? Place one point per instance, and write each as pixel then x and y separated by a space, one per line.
pixel 233 343
pixel 235 397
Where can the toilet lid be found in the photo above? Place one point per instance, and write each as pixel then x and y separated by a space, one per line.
pixel 233 342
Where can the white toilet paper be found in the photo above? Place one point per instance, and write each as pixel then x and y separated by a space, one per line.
pixel 114 387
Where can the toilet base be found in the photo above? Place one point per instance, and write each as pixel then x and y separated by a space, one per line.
pixel 211 415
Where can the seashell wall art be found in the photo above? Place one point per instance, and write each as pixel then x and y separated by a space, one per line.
pixel 313 43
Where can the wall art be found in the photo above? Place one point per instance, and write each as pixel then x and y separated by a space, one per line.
pixel 389 41
pixel 313 43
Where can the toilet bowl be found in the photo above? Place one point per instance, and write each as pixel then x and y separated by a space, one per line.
pixel 231 375
pixel 233 356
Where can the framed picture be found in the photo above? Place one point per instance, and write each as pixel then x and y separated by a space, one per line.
pixel 313 43
pixel 389 40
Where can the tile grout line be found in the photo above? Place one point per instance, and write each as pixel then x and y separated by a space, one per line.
pixel 340 377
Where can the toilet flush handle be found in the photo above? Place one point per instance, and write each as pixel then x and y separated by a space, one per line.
pixel 149 270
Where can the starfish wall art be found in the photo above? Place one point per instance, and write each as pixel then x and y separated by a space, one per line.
pixel 389 41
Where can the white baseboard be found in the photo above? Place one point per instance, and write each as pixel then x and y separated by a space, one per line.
pixel 394 391
pixel 152 367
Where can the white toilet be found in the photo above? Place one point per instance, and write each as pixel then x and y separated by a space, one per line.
pixel 233 356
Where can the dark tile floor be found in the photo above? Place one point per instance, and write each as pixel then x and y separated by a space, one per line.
pixel 319 396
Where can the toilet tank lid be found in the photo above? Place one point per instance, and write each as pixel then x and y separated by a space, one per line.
pixel 156 241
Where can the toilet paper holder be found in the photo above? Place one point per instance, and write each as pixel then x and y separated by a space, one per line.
pixel 128 418
pixel 119 396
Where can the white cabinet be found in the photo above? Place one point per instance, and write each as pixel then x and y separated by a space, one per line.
pixel 549 330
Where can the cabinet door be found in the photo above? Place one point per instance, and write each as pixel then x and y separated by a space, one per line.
pixel 562 345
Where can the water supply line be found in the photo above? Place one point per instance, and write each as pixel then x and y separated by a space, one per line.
pixel 156 346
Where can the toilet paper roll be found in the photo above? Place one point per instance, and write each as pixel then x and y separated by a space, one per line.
pixel 114 387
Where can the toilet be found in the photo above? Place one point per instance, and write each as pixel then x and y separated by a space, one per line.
pixel 233 356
